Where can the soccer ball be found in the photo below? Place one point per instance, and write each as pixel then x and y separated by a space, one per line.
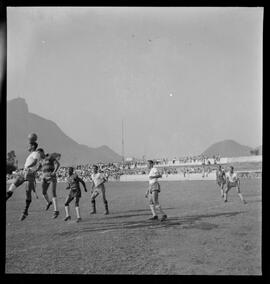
pixel 32 137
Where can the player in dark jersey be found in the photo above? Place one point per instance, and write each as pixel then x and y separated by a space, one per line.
pixel 50 165
pixel 221 179
pixel 74 181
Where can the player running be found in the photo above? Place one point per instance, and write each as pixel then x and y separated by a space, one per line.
pixel 98 180
pixel 232 180
pixel 74 181
pixel 50 166
pixel 221 179
pixel 153 191
pixel 29 174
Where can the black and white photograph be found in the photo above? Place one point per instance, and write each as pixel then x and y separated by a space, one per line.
pixel 134 140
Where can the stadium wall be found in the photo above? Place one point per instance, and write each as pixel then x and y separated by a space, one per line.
pixel 172 177
pixel 244 159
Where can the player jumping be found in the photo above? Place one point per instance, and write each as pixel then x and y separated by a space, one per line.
pixel 50 165
pixel 74 181
pixel 29 174
pixel 153 191
pixel 232 180
pixel 98 180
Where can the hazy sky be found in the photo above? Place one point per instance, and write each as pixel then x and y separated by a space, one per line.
pixel 88 68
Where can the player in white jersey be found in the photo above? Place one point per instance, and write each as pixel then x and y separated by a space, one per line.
pixel 29 174
pixel 98 180
pixel 153 191
pixel 232 180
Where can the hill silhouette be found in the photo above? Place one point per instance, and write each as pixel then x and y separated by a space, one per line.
pixel 228 148
pixel 20 122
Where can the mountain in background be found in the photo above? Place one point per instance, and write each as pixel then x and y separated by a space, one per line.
pixel 20 122
pixel 229 148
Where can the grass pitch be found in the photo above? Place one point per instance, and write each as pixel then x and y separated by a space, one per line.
pixel 202 236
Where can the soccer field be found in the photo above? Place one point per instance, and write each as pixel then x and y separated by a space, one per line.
pixel 203 235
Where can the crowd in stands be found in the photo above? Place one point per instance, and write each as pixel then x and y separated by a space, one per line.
pixel 115 170
pixel 202 159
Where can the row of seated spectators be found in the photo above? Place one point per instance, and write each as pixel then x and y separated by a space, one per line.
pixel 113 170
pixel 201 159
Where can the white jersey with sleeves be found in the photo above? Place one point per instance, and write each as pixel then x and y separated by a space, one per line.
pixel 153 172
pixel 232 177
pixel 29 160
pixel 98 178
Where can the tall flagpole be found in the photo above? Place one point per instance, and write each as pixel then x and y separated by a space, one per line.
pixel 123 149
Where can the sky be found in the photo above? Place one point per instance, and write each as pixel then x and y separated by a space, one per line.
pixel 180 78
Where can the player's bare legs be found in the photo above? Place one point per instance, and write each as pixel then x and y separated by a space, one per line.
pixel 93 202
pixel 158 206
pixel 239 193
pixel 77 209
pixel 54 199
pixel 152 207
pixel 105 202
pixel 237 185
pixel 68 200
pixel 154 204
pixel 225 194
pixel 221 186
pixel 29 187
pixel 45 185
pixel 9 193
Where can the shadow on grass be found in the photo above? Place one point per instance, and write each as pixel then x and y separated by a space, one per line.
pixel 185 222
pixel 126 215
pixel 254 201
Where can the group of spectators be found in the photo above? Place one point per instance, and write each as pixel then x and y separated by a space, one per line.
pixel 202 159
pixel 199 159
pixel 114 171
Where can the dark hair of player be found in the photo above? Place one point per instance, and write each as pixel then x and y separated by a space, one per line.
pixel 70 170
pixel 34 144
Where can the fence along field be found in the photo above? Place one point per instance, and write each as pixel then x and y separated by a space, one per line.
pixel 202 235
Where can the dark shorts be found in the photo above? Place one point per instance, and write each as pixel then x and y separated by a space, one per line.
pixel 20 179
pixel 75 194
pixel 47 177
pixel 221 181
pixel 233 184
pixel 72 195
